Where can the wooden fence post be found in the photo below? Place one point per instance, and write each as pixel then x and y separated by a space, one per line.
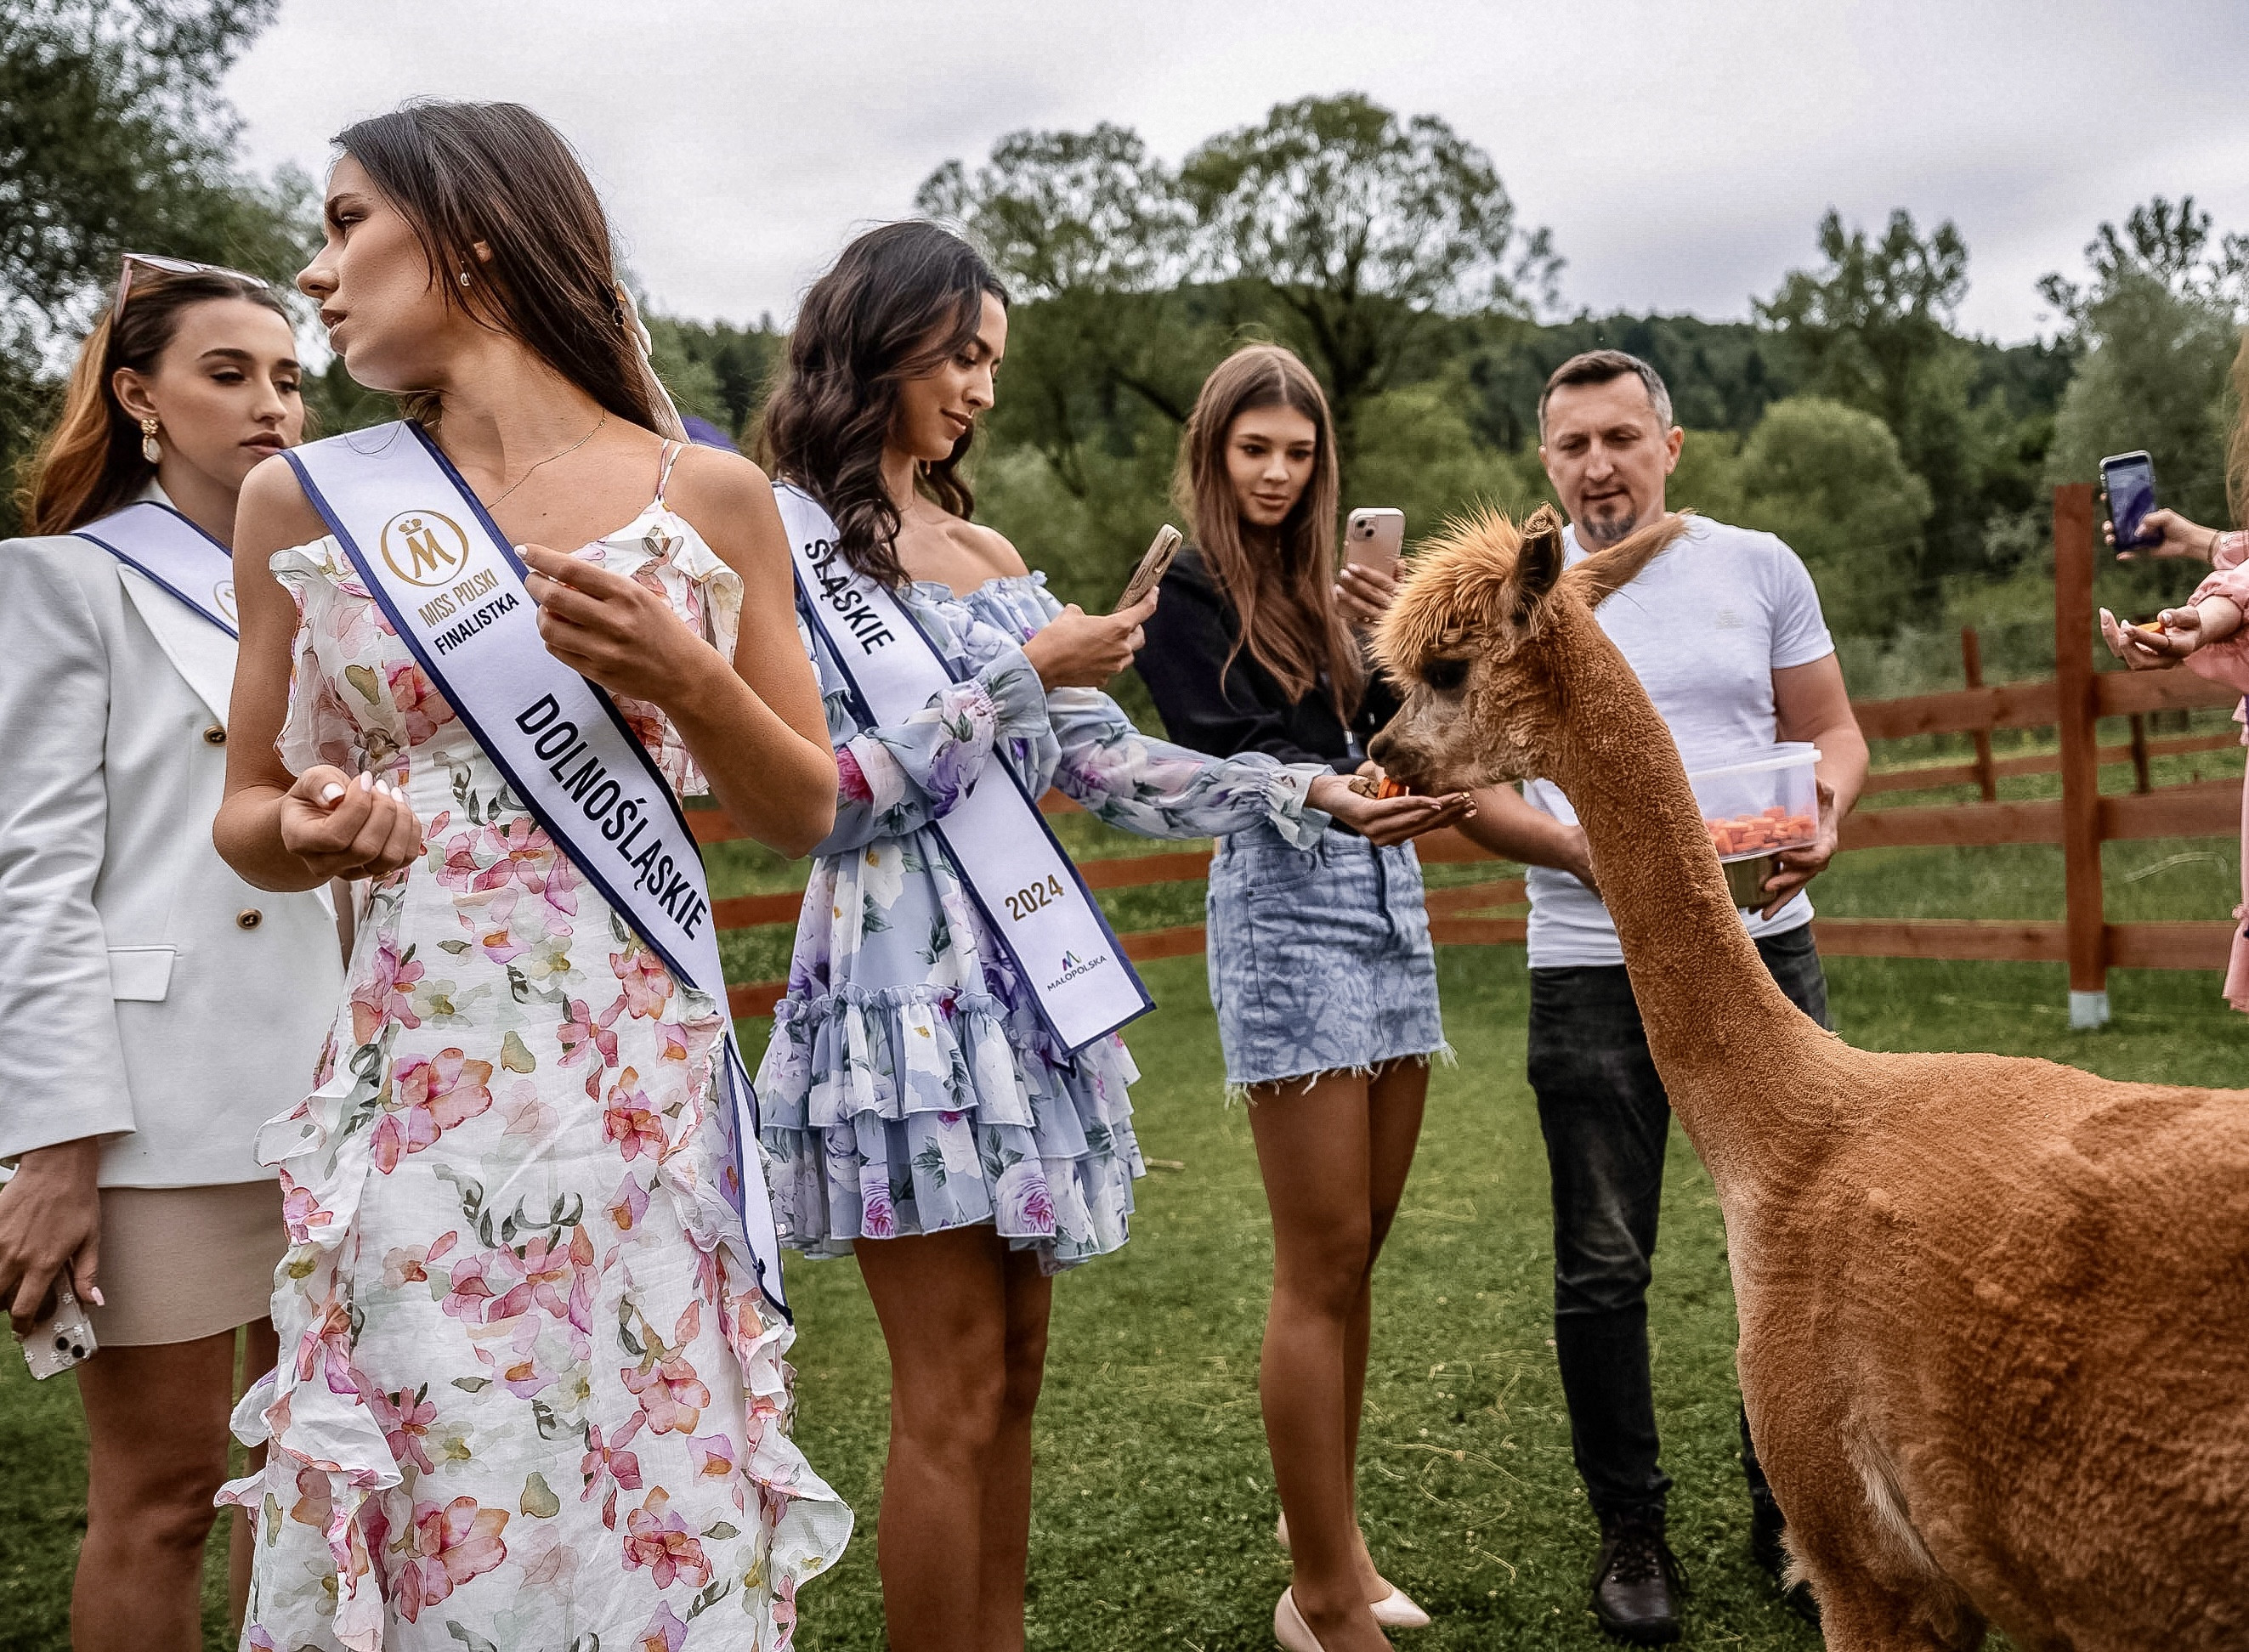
pixel 1971 667
pixel 2080 756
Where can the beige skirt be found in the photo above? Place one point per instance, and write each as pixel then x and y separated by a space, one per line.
pixel 181 1264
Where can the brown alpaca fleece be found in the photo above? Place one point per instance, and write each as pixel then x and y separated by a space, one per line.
pixel 1994 1311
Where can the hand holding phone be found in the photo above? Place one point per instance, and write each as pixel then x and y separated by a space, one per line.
pixel 2129 479
pixel 64 1339
pixel 1154 562
pixel 1372 540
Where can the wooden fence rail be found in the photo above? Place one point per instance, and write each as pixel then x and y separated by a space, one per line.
pixel 2071 702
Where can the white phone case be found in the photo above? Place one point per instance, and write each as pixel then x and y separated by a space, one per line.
pixel 62 1340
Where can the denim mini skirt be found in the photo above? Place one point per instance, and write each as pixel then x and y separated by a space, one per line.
pixel 1320 959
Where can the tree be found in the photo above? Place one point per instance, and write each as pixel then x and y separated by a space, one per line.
pixel 1355 235
pixel 2153 376
pixel 2158 324
pixel 1831 481
pixel 2167 244
pixel 1070 212
pixel 1366 229
pixel 1418 452
pixel 115 137
pixel 1875 330
pixel 1879 312
pixel 1093 232
pixel 1722 374
pixel 716 369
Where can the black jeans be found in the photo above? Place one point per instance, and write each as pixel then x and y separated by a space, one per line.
pixel 1607 1122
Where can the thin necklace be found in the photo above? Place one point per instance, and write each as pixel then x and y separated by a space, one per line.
pixel 551 457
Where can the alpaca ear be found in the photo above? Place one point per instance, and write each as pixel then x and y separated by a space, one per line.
pixel 1538 562
pixel 1600 576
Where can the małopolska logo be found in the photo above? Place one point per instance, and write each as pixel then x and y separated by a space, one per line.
pixel 424 547
pixel 1073 966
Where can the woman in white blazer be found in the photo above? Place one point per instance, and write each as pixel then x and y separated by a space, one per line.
pixel 154 1009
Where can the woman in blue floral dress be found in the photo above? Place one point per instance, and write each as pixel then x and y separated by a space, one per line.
pixel 917 1113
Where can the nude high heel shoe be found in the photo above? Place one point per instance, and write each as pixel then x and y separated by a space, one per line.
pixel 1289 1628
pixel 1396 1610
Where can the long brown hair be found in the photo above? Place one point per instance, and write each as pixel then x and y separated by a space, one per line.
pixel 1284 598
pixel 91 464
pixel 495 172
pixel 901 298
pixel 2236 450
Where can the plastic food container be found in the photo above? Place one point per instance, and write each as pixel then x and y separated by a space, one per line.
pixel 1756 809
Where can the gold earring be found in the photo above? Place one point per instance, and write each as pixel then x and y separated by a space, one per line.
pixel 150 450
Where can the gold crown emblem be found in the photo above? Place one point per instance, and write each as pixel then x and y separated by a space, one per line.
pixel 424 547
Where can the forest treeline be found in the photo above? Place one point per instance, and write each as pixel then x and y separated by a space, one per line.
pixel 1907 460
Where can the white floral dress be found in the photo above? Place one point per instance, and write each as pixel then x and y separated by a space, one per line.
pixel 529 1394
pixel 910 1085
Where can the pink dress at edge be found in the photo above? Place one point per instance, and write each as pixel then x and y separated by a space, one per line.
pixel 2228 662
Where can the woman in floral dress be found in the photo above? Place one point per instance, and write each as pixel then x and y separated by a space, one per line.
pixel 529 1394
pixel 917 1111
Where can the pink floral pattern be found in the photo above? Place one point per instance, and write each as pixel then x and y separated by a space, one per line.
pixel 529 1394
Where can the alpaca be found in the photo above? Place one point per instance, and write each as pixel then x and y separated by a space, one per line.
pixel 1994 1311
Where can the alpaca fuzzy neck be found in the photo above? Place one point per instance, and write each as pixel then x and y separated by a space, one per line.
pixel 1731 1048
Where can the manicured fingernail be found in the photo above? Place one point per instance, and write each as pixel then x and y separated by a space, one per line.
pixel 331 791
pixel 366 781
pixel 93 1295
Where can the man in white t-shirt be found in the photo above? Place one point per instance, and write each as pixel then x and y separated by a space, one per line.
pixel 1724 631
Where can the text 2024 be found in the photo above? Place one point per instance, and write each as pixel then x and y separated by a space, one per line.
pixel 1027 900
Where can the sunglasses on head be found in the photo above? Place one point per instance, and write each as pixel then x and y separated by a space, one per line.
pixel 170 266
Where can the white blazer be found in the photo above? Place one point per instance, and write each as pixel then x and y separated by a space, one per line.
pixel 147 993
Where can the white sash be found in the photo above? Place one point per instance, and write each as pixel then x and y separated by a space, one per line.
pixel 1029 892
pixel 159 543
pixel 454 590
pixel 182 582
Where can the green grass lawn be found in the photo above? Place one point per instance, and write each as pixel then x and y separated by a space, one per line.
pixel 1153 1523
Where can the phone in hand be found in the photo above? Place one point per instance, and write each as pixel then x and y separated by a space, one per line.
pixel 2129 479
pixel 1374 537
pixel 61 1340
pixel 1153 563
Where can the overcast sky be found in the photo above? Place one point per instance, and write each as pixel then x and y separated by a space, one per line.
pixel 1681 154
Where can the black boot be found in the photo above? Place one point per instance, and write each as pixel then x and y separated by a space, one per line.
pixel 1766 1528
pixel 1637 1581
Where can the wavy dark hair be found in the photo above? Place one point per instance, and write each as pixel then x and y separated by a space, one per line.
pixel 91 462
pixel 463 173
pixel 899 300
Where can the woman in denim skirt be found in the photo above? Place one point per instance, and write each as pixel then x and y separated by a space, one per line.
pixel 1320 965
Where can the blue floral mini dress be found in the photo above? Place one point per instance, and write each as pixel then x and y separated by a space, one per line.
pixel 910 1086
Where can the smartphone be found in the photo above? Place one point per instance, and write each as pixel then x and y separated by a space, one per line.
pixel 2130 481
pixel 64 1339
pixel 1150 573
pixel 1374 536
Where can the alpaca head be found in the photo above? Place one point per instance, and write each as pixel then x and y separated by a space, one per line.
pixel 1470 643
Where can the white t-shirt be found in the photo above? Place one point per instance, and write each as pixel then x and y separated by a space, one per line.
pixel 1705 626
